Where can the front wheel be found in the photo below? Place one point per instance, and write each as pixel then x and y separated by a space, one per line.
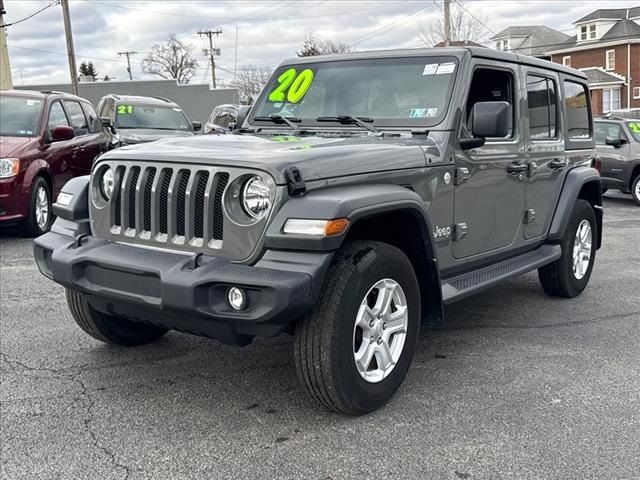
pixel 109 328
pixel 39 215
pixel 353 351
pixel 635 190
pixel 568 276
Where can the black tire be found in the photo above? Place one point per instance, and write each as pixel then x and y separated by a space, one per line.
pixel 30 227
pixel 108 328
pixel 635 189
pixel 558 278
pixel 324 340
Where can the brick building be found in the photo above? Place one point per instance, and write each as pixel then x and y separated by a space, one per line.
pixel 607 47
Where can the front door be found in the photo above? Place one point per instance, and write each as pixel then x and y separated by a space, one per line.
pixel 489 192
pixel 546 161
pixel 613 159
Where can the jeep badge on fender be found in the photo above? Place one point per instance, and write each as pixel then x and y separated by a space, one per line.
pixel 327 213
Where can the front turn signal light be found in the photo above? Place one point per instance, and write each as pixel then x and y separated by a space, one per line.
pixel 316 228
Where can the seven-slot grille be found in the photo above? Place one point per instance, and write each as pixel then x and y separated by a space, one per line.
pixel 168 204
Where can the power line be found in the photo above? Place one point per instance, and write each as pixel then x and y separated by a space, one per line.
pixel 475 18
pixel 128 54
pixel 53 3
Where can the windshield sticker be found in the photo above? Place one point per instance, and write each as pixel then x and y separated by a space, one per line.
pixel 31 103
pixel 430 69
pixel 446 68
pixel 125 109
pixel 292 86
pixel 423 112
pixel 634 127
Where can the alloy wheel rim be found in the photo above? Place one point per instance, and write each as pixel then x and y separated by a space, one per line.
pixel 637 191
pixel 582 250
pixel 42 208
pixel 380 330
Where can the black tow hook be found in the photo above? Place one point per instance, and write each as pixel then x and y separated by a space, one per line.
pixel 77 242
pixel 194 261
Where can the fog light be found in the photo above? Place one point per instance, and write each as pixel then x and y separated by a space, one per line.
pixel 236 298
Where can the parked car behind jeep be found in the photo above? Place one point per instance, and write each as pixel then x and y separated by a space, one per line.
pixel 618 154
pixel 130 119
pixel 362 194
pixel 46 138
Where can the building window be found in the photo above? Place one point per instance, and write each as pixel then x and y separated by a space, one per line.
pixel 566 61
pixel 610 99
pixel 636 92
pixel 588 32
pixel 610 60
pixel 503 44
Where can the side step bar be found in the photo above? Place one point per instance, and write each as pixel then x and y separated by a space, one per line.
pixel 462 286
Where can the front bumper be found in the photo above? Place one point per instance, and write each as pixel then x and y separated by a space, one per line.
pixel 12 200
pixel 181 291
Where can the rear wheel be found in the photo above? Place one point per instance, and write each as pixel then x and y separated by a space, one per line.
pixel 39 215
pixel 109 328
pixel 569 275
pixel 353 351
pixel 635 189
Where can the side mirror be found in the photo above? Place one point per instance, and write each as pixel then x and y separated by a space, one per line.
pixel 614 142
pixel 197 126
pixel 491 119
pixel 61 133
pixel 106 122
pixel 243 113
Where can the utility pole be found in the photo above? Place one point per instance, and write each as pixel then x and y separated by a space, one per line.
pixel 128 54
pixel 447 23
pixel 210 34
pixel 5 69
pixel 70 52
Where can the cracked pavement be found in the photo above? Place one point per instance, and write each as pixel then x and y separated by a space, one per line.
pixel 516 385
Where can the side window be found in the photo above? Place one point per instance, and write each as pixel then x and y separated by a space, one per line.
pixel 576 110
pixel 92 118
pixel 604 130
pixel 78 120
pixel 57 117
pixel 108 108
pixel 490 85
pixel 214 115
pixel 223 119
pixel 541 100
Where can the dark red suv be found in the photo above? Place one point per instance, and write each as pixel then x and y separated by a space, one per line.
pixel 46 138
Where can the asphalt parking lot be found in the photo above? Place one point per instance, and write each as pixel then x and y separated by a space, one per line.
pixel 516 385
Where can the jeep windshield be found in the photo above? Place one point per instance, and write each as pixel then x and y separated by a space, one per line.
pixel 151 117
pixel 19 115
pixel 388 92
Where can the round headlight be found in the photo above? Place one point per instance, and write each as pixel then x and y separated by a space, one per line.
pixel 106 183
pixel 256 198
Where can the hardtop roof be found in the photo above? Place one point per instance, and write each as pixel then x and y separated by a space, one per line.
pixel 458 52
pixel 142 100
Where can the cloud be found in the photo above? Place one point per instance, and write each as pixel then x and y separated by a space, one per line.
pixel 268 31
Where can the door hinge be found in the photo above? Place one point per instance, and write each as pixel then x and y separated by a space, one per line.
pixel 529 216
pixel 460 231
pixel 532 168
pixel 462 175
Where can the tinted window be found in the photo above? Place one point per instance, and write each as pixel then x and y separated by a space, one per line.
pixel 57 117
pixel 541 99
pixel 19 116
pixel 577 111
pixel 92 118
pixel 78 120
pixel 604 130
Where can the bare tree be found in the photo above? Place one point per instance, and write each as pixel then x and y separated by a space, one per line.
pixel 171 59
pixel 250 81
pixel 313 46
pixel 464 27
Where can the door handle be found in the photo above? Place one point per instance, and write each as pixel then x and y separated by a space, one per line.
pixel 514 168
pixel 557 164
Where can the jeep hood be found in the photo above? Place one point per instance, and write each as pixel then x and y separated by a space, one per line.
pixel 144 135
pixel 317 157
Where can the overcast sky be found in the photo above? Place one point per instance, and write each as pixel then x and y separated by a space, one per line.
pixel 268 31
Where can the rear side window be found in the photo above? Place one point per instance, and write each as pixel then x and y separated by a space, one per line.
pixel 78 120
pixel 92 118
pixel 541 100
pixel 576 110
pixel 57 117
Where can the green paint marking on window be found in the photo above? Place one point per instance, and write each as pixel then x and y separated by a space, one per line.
pixel 291 86
pixel 125 109
pixel 634 127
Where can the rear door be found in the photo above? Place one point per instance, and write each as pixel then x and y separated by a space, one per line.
pixel 546 161
pixel 96 139
pixel 613 159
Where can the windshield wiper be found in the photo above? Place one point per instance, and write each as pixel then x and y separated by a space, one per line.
pixel 348 119
pixel 280 119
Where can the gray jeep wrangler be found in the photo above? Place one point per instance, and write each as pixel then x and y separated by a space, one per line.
pixel 361 194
